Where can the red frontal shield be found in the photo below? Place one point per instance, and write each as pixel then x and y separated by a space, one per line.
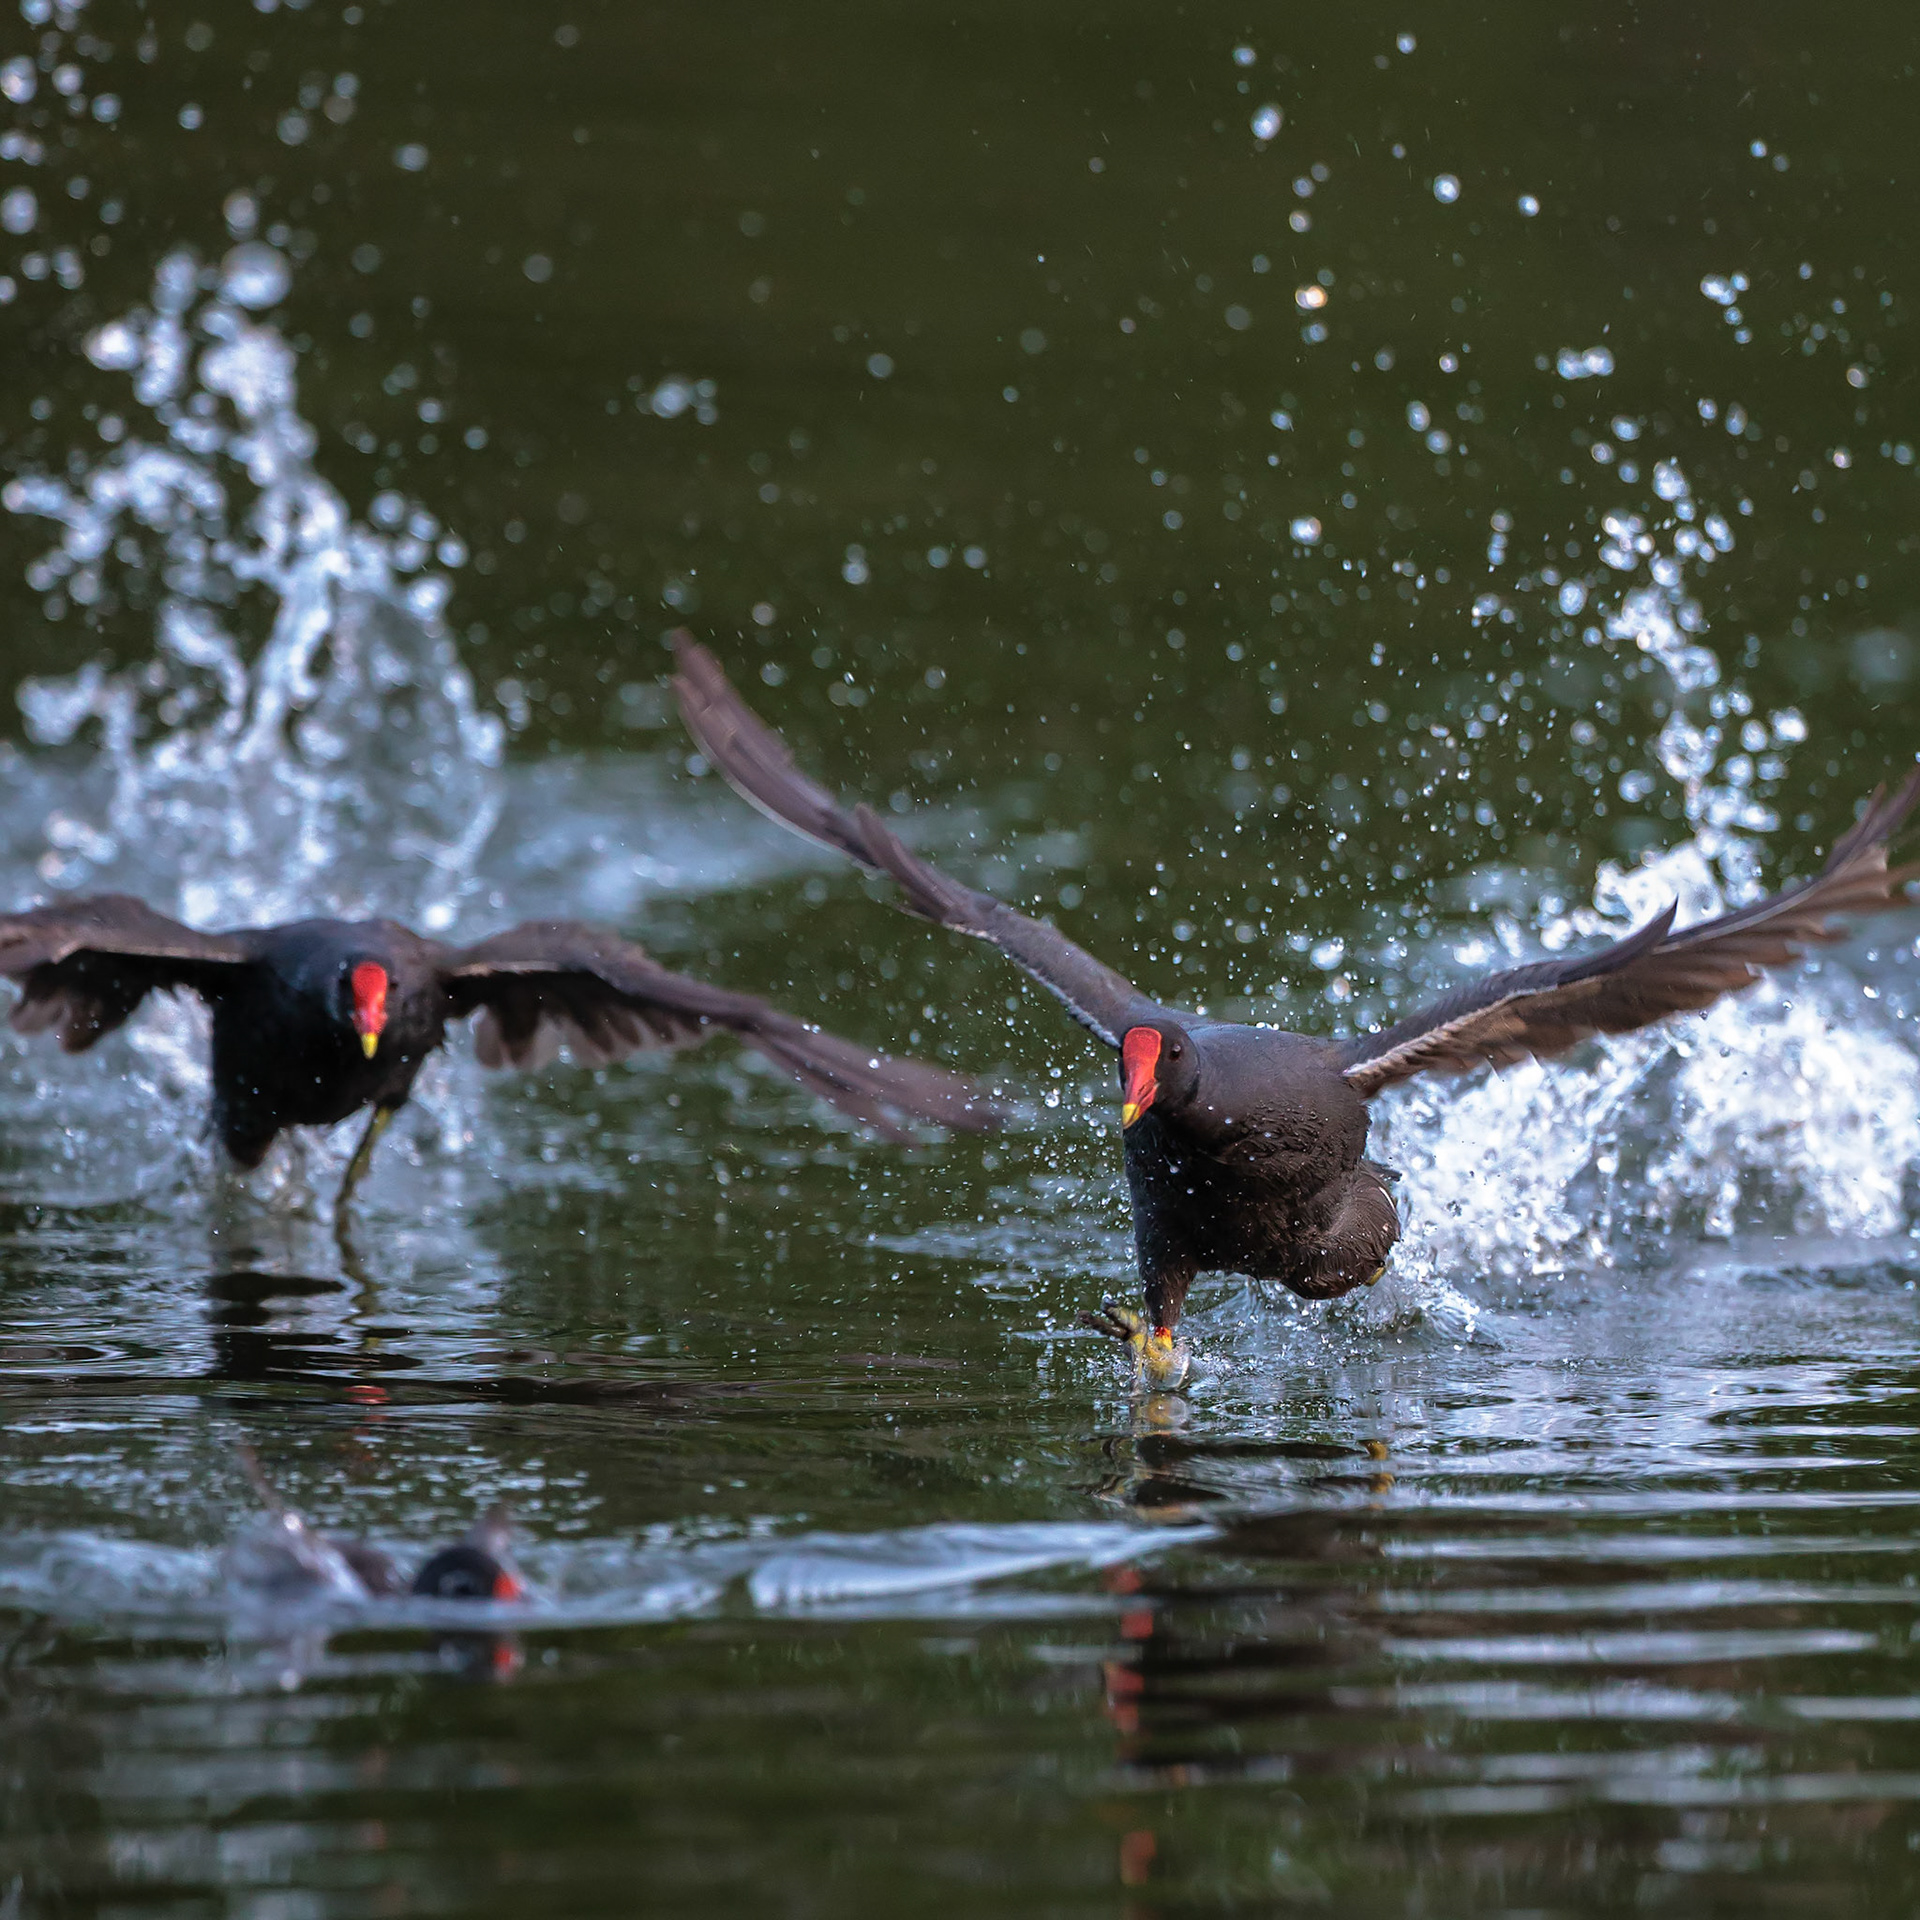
pixel 1139 1056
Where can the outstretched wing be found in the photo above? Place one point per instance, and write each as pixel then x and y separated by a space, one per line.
pixel 551 983
pixel 84 965
pixel 755 761
pixel 1546 1008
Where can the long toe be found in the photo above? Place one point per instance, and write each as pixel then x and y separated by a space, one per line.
pixel 1159 1360
pixel 1116 1322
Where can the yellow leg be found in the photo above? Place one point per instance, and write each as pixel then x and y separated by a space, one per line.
pixel 1158 1359
pixel 365 1300
pixel 362 1157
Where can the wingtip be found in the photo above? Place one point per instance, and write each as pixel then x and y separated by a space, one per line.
pixel 685 647
pixel 493 1531
pixel 257 1478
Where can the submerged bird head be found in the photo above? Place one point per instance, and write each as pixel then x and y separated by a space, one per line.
pixel 1158 1068
pixel 365 983
pixel 480 1567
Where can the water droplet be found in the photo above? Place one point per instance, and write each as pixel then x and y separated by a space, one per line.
pixel 255 276
pixel 671 398
pixel 1446 188
pixel 1418 418
pixel 1573 596
pixel 1309 298
pixel 1032 340
pixel 115 347
pixel 18 81
pixel 1573 363
pixel 19 210
pixel 853 569
pixel 880 365
pixel 1243 56
pixel 1267 122
pixel 412 158
pixel 1238 318
pixel 1305 529
pixel 1669 482
pixel 1405 42
pixel 538 268
pixel 1528 205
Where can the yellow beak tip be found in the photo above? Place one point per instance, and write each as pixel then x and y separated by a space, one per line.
pixel 369 1042
pixel 1129 1113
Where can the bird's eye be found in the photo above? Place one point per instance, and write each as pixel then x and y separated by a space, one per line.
pixel 1174 1052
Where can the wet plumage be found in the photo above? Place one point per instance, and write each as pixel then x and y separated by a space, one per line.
pixel 315 1020
pixel 1246 1146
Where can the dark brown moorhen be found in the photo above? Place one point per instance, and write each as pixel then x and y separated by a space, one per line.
pixel 288 1563
pixel 1246 1146
pixel 315 1020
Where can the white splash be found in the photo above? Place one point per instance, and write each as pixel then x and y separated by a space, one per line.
pixel 337 762
pixel 1792 1110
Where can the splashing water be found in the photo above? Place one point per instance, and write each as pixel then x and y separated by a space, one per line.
pixel 343 763
pixel 1790 1111
pixel 303 739
pixel 1789 1114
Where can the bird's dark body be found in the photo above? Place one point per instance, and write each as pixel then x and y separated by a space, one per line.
pixel 1246 1146
pixel 280 1056
pixel 1263 1173
pixel 316 1020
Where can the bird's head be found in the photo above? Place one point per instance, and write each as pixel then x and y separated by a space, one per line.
pixel 478 1568
pixel 363 990
pixel 1159 1068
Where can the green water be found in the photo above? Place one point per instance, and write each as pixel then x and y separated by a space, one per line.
pixel 1575 1573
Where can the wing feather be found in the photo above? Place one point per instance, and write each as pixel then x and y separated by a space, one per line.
pixel 84 965
pixel 755 762
pixel 552 983
pixel 1546 1008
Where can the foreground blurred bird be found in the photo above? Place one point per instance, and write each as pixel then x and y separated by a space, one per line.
pixel 315 1020
pixel 285 1562
pixel 1246 1146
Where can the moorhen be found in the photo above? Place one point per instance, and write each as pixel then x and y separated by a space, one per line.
pixel 315 1020
pixel 288 1563
pixel 1245 1146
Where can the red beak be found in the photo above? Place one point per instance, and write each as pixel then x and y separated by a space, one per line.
pixel 1139 1055
pixel 369 1004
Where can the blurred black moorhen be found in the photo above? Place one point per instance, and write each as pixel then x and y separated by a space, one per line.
pixel 1246 1146
pixel 288 1563
pixel 315 1020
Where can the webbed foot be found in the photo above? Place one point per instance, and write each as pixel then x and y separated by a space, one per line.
pixel 1158 1359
